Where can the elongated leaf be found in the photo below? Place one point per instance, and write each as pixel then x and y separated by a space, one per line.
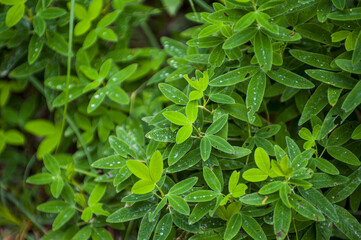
pixel 290 79
pixel 344 155
pixel 304 208
pixel 211 179
pixel 353 99
pixel 206 148
pixel 255 93
pixel 313 59
pixel 317 199
pixel 233 226
pixel 217 125
pixel 178 151
pixel 125 214
pixel 63 217
pixel 335 79
pixel 348 224
pixel 263 51
pixel 346 15
pixel 179 204
pixel 252 228
pixel 220 144
pixel 240 38
pixel 163 228
pixel 282 220
pixel 173 94
pixel 201 196
pixel 234 77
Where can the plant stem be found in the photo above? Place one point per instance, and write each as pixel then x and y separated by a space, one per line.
pixel 68 70
pixel 160 190
pixel 90 174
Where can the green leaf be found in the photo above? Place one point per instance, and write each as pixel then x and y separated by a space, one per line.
pixel 172 6
pixel 347 66
pixel 163 228
pixel 245 21
pixel 263 51
pixel 176 118
pixel 201 196
pixel 217 56
pixel 56 187
pixel 178 151
pixel 326 166
pixel 348 224
pixel 51 164
pixel 356 134
pixel 137 210
pixel 255 175
pixel 217 125
pixel 335 79
pixel 56 42
pixel 340 4
pixel 143 186
pixel 63 217
pixel 162 135
pixel 54 206
pixel 96 100
pixel 173 47
pixel 233 181
pixel 192 111
pixel 139 169
pixel 282 220
pixel 14 14
pixel 101 234
pixel 262 160
pixel 156 167
pixel 211 179
pixel 220 144
pixel 14 137
pixel 39 25
pixel 206 148
pixel 199 211
pixel 41 178
pixel 290 79
pixel 107 34
pixel 159 207
pixel 271 187
pixel 221 98
pixel 233 226
pixel 353 98
pixel 35 47
pixel 183 186
pixel 97 194
pixel 95 8
pixel 179 204
pixel 205 42
pixel 255 93
pixel 314 59
pixel 344 155
pixel 110 162
pixel 40 127
pixel 341 192
pixel 316 198
pixel 146 227
pixel 209 30
pixel 83 234
pixel 234 77
pixel 262 19
pixel 315 104
pixel 173 94
pixel 240 38
pixel 51 13
pixel 305 208
pixel 346 15
pixel 252 228
pixel 108 19
pixel 184 133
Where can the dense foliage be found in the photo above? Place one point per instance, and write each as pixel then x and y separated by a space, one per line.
pixel 232 119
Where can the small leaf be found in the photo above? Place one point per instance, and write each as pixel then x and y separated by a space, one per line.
pixel 344 155
pixel 217 125
pixel 211 179
pixel 304 208
pixel 335 79
pixel 184 133
pixel 173 94
pixel 139 169
pixel 263 51
pixel 233 226
pixel 14 14
pixel 143 186
pixel 240 38
pixel 156 167
pixel 282 220
pixel 163 228
pixel 201 196
pixel 262 160
pixel 220 144
pixel 179 204
pixel 176 118
pixel 252 228
pixel 205 148
pixel 183 186
pixel 290 79
pixel 51 164
pixel 63 217
pixel 255 175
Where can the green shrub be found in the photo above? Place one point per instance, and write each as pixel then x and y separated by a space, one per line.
pixel 244 126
